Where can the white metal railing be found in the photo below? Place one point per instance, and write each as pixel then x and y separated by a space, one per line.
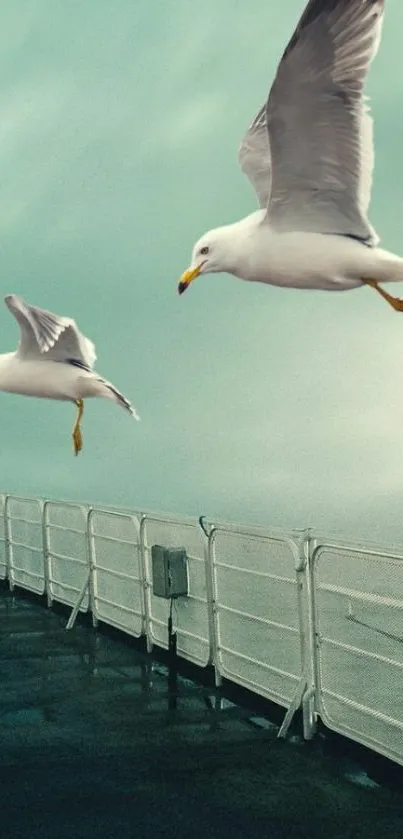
pixel 65 534
pixel 24 543
pixel 3 539
pixel 303 622
pixel 116 563
pixel 260 595
pixel 357 601
pixel 190 613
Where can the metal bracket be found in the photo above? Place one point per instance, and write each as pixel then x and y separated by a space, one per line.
pixel 72 619
pixel 296 703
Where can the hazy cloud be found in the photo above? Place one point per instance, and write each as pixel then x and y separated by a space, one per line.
pixel 118 145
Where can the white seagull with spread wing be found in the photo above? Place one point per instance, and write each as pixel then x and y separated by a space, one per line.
pixel 309 156
pixel 54 361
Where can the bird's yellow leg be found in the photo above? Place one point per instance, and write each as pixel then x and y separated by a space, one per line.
pixel 395 302
pixel 77 436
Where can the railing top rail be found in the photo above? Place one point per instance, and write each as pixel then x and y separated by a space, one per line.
pixel 25 498
pixel 160 518
pixel 366 551
pixel 106 511
pixel 76 505
pixel 255 534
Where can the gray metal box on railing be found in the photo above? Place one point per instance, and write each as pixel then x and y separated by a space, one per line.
pixel 169 570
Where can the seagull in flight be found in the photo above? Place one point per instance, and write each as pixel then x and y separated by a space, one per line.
pixel 309 155
pixel 54 360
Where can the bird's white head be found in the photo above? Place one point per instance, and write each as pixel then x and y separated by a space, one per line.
pixel 210 254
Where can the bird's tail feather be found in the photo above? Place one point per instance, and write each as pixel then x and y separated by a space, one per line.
pixel 110 392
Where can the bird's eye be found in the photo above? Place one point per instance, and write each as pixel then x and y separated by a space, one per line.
pixel 204 251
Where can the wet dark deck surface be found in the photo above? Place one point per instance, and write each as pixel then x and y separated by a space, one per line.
pixel 89 748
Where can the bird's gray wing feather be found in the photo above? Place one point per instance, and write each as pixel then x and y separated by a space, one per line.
pixel 254 157
pixel 46 335
pixel 319 125
pixel 319 130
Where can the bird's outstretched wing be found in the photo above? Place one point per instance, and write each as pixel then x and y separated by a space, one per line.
pixel 254 157
pixel 46 335
pixel 319 130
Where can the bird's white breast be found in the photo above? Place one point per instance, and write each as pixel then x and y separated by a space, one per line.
pixel 301 260
pixel 47 379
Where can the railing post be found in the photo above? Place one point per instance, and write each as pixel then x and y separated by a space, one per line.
pixel 315 635
pixel 306 634
pixel 212 596
pixel 309 704
pixel 139 557
pixel 42 503
pixel 146 581
pixel 92 585
pixel 46 553
pixel 304 696
pixel 207 530
pixel 8 541
pixel 4 496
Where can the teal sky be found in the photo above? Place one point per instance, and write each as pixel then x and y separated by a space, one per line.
pixel 120 124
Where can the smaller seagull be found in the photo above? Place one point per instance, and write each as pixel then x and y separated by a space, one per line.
pixel 309 155
pixel 54 360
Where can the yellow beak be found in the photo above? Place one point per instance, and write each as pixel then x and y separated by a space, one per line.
pixel 187 277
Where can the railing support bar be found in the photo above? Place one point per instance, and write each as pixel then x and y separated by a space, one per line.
pixel 294 705
pixel 72 619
